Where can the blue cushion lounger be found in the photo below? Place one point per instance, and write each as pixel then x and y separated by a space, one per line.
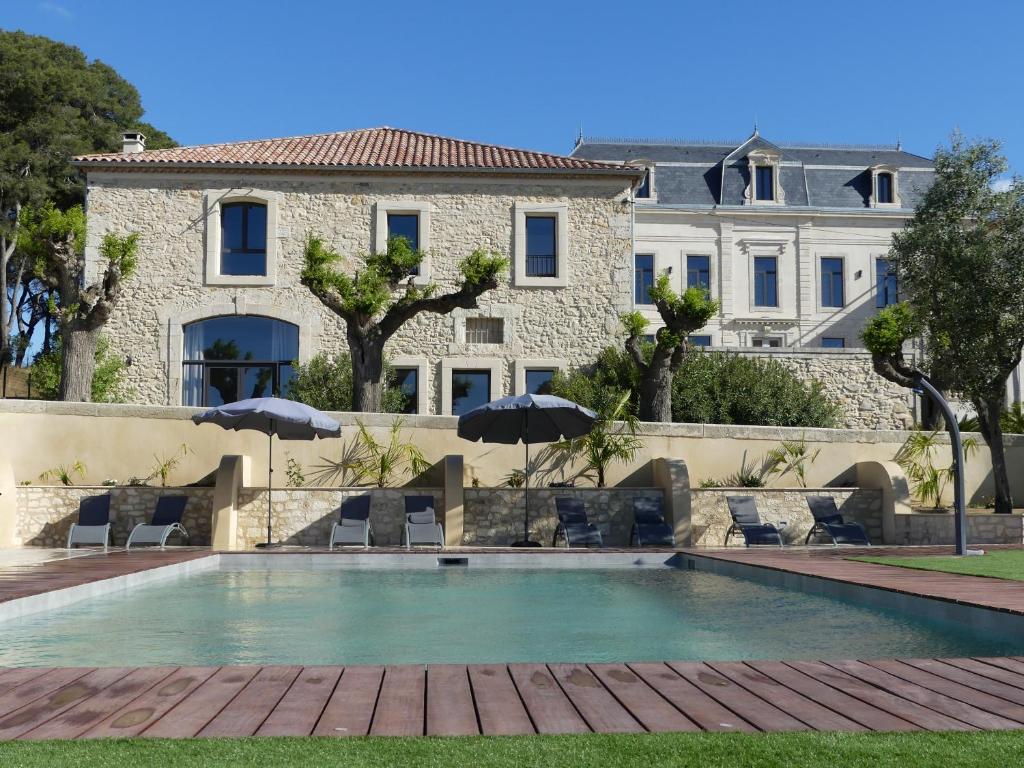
pixel 166 520
pixel 747 522
pixel 93 526
pixel 353 526
pixel 829 521
pixel 649 526
pixel 573 526
pixel 421 526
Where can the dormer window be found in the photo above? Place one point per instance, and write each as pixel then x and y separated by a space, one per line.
pixel 764 185
pixel 885 187
pixel 643 192
pixel 764 182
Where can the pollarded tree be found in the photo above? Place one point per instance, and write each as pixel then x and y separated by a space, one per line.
pixel 960 263
pixel 681 315
pixel 380 298
pixel 57 241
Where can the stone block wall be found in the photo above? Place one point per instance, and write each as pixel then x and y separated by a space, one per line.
pixel 494 516
pixel 304 516
pixel 46 513
pixel 710 511
pixel 923 528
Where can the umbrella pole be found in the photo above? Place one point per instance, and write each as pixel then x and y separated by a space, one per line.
pixel 526 476
pixel 270 474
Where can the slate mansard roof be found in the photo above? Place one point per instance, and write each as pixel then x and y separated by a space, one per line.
pixel 716 174
pixel 371 149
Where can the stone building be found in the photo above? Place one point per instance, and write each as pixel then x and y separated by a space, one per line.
pixel 217 312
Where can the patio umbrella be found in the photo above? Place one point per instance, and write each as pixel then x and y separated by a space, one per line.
pixel 532 419
pixel 287 419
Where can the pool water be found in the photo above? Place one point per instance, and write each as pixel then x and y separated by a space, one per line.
pixel 472 615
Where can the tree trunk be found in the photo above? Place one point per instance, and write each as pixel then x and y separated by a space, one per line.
pixel 932 419
pixel 989 410
pixel 78 361
pixel 656 391
pixel 367 373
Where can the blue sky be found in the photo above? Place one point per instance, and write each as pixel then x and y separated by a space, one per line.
pixel 529 73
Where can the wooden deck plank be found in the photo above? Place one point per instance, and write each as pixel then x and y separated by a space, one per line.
pixel 43 685
pixel 643 702
pixel 300 709
pixel 705 711
pixel 48 707
pixel 869 716
pixel 246 712
pixel 549 708
pixel 908 710
pixel 806 710
pixel 11 678
pixel 400 705
pixel 450 709
pixel 755 710
pixel 349 710
pixel 92 710
pixel 924 696
pixel 965 677
pixel 133 718
pixel 991 671
pixel 602 712
pixel 498 706
pixel 193 713
pixel 1012 665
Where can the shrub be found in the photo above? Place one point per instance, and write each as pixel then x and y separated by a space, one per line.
pixel 325 383
pixel 107 378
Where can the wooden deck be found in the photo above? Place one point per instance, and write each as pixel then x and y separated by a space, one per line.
pixel 498 699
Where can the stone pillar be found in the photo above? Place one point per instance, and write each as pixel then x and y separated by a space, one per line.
pixel 224 526
pixel 673 477
pixel 889 478
pixel 8 504
pixel 453 500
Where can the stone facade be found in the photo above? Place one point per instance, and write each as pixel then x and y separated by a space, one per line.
pixel 494 516
pixel 939 528
pixel 46 513
pixel 710 511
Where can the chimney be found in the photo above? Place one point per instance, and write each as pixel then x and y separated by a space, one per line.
pixel 132 143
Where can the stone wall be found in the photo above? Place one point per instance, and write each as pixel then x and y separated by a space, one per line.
pixel 710 511
pixel 46 513
pixel 939 528
pixel 304 516
pixel 494 516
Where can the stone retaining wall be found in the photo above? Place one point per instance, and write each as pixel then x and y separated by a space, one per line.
pixel 938 528
pixel 45 513
pixel 494 516
pixel 710 511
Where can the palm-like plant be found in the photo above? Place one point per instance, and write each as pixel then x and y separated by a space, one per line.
pixel 791 456
pixel 369 462
pixel 916 458
pixel 64 473
pixel 612 438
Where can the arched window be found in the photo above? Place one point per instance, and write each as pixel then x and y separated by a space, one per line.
pixel 243 239
pixel 236 357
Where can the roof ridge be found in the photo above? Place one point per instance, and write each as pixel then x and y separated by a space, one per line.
pixel 741 142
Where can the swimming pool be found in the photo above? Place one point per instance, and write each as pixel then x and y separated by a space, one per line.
pixel 354 615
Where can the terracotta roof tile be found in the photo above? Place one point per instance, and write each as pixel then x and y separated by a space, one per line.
pixel 384 148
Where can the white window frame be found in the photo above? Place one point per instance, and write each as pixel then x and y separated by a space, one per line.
pixel 520 367
pixel 422 366
pixel 892 171
pixel 380 230
pixel 649 306
pixel 451 364
pixel 213 200
pixel 765 308
pixel 712 271
pixel 846 283
pixel 764 158
pixel 649 169
pixel 561 213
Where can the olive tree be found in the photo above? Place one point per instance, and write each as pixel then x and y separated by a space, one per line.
pixel 381 297
pixel 681 315
pixel 960 265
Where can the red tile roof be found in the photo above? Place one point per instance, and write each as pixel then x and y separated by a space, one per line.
pixel 383 148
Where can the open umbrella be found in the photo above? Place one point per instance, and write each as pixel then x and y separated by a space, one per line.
pixel 532 419
pixel 287 419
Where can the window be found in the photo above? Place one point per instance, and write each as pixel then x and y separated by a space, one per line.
pixel 541 249
pixel 406 380
pixel 764 176
pixel 470 389
pixel 243 239
pixel 538 381
pixel 832 283
pixel 698 272
pixel 644 190
pixel 485 330
pixel 236 357
pixel 885 284
pixel 643 277
pixel 767 341
pixel 648 338
pixel 766 281
pixel 405 225
pixel 700 341
pixel 833 342
pixel 883 188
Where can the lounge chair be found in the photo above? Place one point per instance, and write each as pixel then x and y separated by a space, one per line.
pixel 829 521
pixel 747 522
pixel 573 526
pixel 353 526
pixel 93 526
pixel 421 526
pixel 166 520
pixel 649 526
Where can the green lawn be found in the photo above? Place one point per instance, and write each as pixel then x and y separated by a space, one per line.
pixel 790 750
pixel 999 563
